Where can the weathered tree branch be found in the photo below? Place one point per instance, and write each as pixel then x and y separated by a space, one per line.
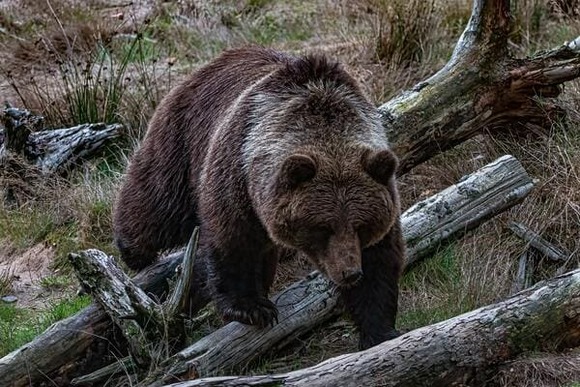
pixel 142 320
pixel 179 297
pixel 308 303
pixel 128 306
pixel 480 88
pixel 548 249
pixel 453 352
pixel 55 150
pixel 524 274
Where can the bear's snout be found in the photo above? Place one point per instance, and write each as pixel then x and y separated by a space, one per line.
pixel 342 262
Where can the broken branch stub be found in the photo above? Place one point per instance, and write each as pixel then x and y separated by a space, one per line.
pixel 452 352
pixel 430 223
pixel 51 150
pixel 145 324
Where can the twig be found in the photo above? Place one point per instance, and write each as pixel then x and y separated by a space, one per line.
pixel 548 249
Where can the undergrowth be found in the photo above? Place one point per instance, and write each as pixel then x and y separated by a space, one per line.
pixel 19 326
pixel 78 63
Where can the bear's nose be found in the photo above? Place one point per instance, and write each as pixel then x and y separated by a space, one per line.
pixel 351 277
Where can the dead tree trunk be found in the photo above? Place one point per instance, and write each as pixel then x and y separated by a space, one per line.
pixel 480 88
pixel 51 151
pixel 457 351
pixel 67 341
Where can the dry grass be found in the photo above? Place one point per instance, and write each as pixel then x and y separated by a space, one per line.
pixel 542 370
pixel 77 61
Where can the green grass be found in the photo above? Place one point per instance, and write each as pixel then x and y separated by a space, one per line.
pixel 81 219
pixel 19 326
pixel 56 282
pixel 25 227
pixel 267 30
pixel 115 82
pixel 435 289
pixel 441 271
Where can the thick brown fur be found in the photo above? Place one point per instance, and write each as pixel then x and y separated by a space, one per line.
pixel 269 152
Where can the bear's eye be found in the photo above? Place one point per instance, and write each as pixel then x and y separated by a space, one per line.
pixel 320 233
pixel 364 235
pixel 313 238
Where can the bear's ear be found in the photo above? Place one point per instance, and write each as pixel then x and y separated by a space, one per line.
pixel 296 169
pixel 381 165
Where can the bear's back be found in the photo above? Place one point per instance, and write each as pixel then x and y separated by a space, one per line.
pixel 190 113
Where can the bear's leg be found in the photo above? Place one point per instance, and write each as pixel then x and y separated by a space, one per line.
pixel 240 273
pixel 135 257
pixel 372 303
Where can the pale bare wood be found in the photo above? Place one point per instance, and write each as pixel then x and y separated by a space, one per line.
pixel 525 269
pixel 534 239
pixel 53 150
pixel 426 226
pixel 126 303
pixel 430 118
pixel 453 352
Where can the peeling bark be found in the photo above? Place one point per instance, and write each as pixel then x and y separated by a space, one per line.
pixel 457 351
pixel 54 150
pixel 480 89
pixel 311 302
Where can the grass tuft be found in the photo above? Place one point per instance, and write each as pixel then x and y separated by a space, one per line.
pixel 404 29
pixel 19 326
pixel 6 280
pixel 433 291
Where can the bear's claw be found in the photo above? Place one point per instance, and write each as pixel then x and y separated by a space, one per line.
pixel 252 311
pixel 366 340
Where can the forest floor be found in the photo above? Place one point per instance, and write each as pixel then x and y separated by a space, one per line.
pixel 111 60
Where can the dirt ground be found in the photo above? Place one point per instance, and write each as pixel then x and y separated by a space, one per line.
pixel 26 271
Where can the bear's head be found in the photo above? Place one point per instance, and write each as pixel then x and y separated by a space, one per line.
pixel 330 208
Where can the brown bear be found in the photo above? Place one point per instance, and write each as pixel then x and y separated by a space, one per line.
pixel 269 152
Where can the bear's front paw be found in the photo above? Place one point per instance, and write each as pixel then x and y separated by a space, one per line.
pixel 249 310
pixel 367 340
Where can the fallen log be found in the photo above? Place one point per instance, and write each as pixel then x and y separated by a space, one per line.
pixel 67 341
pixel 142 319
pixel 52 150
pixel 476 198
pixel 84 341
pixel 312 301
pixel 458 351
pixel 480 88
